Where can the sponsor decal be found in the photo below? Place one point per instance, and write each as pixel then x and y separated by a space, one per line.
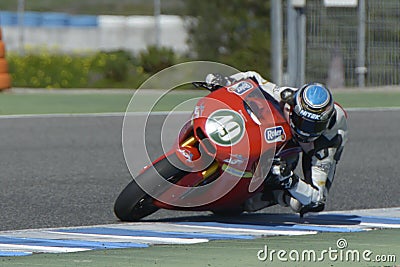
pixel 241 87
pixel 310 115
pixel 225 127
pixel 236 172
pixel 275 134
pixel 326 167
pixel 187 154
pixel 235 159
pixel 198 111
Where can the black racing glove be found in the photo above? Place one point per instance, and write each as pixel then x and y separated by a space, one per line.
pixel 287 96
pixel 216 81
pixel 312 207
pixel 282 175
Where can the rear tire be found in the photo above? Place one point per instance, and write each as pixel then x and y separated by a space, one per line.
pixel 134 203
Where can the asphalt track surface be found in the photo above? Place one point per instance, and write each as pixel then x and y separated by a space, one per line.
pixel 67 171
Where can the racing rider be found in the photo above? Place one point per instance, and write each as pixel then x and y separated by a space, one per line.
pixel 319 127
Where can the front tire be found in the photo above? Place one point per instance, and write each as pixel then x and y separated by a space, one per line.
pixel 134 203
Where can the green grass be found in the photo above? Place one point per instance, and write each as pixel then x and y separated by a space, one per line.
pixel 52 103
pixel 368 99
pixel 56 103
pixel 230 253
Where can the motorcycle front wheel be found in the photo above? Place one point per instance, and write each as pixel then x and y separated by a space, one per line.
pixel 133 203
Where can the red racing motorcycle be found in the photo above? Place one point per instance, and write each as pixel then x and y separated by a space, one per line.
pixel 221 159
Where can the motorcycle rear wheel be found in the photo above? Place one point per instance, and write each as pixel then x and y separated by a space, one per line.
pixel 133 203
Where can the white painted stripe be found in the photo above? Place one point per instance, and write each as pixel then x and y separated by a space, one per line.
pixel 373 109
pixel 380 225
pixel 57 236
pixel 170 227
pixel 26 248
pixel 379 212
pixel 84 115
pixel 66 115
pixel 139 239
pixel 158 113
pixel 252 231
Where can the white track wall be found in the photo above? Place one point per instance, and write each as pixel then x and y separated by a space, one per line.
pixel 132 33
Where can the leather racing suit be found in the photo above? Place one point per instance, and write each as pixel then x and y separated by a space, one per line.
pixel 319 157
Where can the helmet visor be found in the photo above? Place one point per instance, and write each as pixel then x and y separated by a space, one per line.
pixel 307 127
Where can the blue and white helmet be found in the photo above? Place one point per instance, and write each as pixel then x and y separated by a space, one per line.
pixel 312 112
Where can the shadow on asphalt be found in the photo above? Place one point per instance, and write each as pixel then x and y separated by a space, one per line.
pixel 271 219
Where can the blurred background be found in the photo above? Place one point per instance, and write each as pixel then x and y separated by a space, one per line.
pixel 120 43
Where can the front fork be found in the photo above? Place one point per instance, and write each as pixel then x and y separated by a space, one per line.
pixel 189 154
